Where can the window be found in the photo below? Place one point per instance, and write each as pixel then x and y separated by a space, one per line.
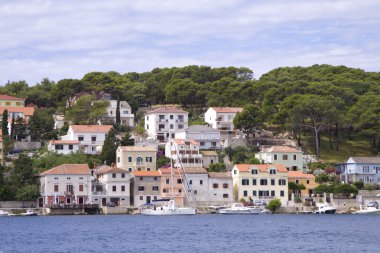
pixel 282 182
pixel 149 159
pixel 113 175
pixel 275 157
pixel 80 178
pixel 294 157
pixel 285 157
pixel 129 159
pixel 308 181
pixel 56 188
pixel 254 181
pixel 58 147
pixel 213 144
pixel 68 178
pixel 123 188
pixel 171 126
pixel 141 188
pixel 122 175
pixel 71 147
pixel 118 159
pixel 215 186
pixel 263 182
pixel 272 193
pixel 154 188
pixel 56 178
pixel 235 172
pixel 141 178
pixel 125 112
pixel 245 193
pixel 81 187
pixel 147 127
pixel 365 169
pixel 179 181
pixel 254 193
pixel 18 103
pixel 282 193
pixel 190 181
pixel 7 103
pixel 245 182
pixel 254 171
pixel 155 178
pixel 195 192
pixel 114 188
pixel 129 169
pixel 93 149
pixel 167 181
pixel 141 197
pixel 225 186
pixel 80 138
pixel 200 181
pixel 171 116
pixel 139 160
pixel 272 182
pixel 225 196
pixel 180 126
pixel 165 191
pixel 272 171
pixel 202 143
pixel 180 190
pixel 297 181
pixel 69 188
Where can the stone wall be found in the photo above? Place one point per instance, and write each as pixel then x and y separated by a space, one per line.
pixel 16 204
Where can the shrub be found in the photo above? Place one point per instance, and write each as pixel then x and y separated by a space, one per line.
pixel 274 205
pixel 297 199
pixel 369 187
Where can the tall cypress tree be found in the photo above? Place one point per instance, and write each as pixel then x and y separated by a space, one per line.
pixel 118 120
pixel 4 123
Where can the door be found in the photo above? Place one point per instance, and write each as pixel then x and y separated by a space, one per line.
pixel 68 200
pixel 80 200
pixel 148 199
pixel 104 201
pixel 40 202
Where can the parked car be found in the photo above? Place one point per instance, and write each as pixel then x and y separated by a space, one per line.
pixel 373 204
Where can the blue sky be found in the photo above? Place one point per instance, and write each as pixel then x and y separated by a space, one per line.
pixel 67 39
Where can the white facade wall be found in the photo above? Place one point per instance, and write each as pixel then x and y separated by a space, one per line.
pixel 109 183
pixel 66 148
pixel 206 140
pixel 126 116
pixel 291 160
pixel 200 186
pixel 365 172
pixel 183 150
pixel 86 142
pixel 220 195
pixel 220 120
pixel 159 125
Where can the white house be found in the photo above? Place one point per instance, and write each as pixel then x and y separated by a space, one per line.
pixel 290 157
pixel 126 116
pixel 63 146
pixel 90 137
pixel 185 151
pixel 209 157
pixel 65 184
pixel 365 169
pixel 220 188
pixel 222 117
pixel 162 121
pixel 207 137
pixel 197 179
pixel 111 185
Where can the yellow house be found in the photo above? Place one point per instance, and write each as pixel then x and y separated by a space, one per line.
pixel 308 180
pixel 136 158
pixel 260 182
pixel 11 101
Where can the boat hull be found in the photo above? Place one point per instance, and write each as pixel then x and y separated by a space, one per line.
pixel 168 212
pixel 240 211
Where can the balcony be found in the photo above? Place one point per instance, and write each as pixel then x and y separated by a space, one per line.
pixel 68 193
pixel 97 193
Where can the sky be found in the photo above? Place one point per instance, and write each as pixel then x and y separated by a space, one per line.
pixel 69 38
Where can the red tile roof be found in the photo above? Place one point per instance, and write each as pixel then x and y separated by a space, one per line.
pixel 136 148
pixel 105 169
pixel 282 149
pixel 154 173
pixel 261 167
pixel 219 175
pixel 300 174
pixel 68 169
pixel 91 128
pixel 167 110
pixel 167 171
pixel 63 142
pixel 195 171
pixel 227 109
pixel 27 111
pixel 182 141
pixel 6 97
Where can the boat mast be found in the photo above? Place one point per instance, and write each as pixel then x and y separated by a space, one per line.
pixel 171 165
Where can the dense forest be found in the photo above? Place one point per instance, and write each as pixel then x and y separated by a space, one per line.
pixel 336 101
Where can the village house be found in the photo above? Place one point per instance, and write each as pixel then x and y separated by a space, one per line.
pixel 126 116
pixel 198 185
pixel 365 169
pixel 132 158
pixel 184 152
pixel 207 137
pixel 146 187
pixel 10 101
pixel 209 157
pixel 222 117
pixel 111 185
pixel 165 121
pixel 65 184
pixel 220 188
pixel 178 185
pixel 307 180
pixel 260 182
pixel 290 157
pixel 90 139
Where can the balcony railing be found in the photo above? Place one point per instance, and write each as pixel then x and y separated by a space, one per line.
pixel 99 193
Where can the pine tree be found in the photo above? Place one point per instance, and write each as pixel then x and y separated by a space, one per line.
pixel 118 120
pixel 127 140
pixel 4 125
pixel 108 154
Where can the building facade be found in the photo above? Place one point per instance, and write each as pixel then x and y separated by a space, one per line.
pixel 207 137
pixel 307 180
pixel 10 101
pixel 290 157
pixel 209 157
pixel 146 187
pixel 261 182
pixel 178 186
pixel 220 188
pixel 184 152
pixel 165 121
pixel 136 158
pixel 126 116
pixel 222 118
pixel 64 147
pixel 365 169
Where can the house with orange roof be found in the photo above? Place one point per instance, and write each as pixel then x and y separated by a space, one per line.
pixel 165 121
pixel 222 118
pixel 308 180
pixel 146 187
pixel 290 157
pixel 65 184
pixel 178 185
pixel 140 158
pixel 184 152
pixel 11 101
pixel 111 185
pixel 90 139
pixel 64 147
pixel 260 182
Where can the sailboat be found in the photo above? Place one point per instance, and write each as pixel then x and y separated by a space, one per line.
pixel 170 208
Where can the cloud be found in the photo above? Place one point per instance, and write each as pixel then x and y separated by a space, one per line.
pixel 66 39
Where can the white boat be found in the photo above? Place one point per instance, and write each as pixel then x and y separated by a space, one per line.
pixel 3 213
pixel 29 212
pixel 238 208
pixel 367 210
pixel 326 208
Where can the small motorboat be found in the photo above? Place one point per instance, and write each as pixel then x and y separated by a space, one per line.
pixel 3 213
pixel 238 208
pixel 326 208
pixel 29 212
pixel 367 210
